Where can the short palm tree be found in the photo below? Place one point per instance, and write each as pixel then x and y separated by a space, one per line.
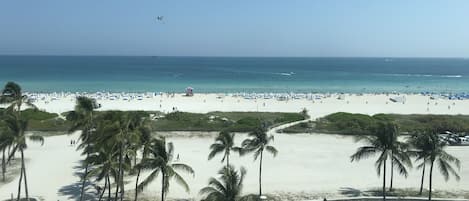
pixel 228 187
pixel 105 166
pixel 383 142
pixel 6 140
pixel 259 141
pixel 224 143
pixel 432 150
pixel 161 161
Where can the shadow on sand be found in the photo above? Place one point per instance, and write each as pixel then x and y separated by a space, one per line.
pixel 73 191
pixel 351 192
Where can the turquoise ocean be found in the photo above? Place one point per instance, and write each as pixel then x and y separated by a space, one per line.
pixel 235 74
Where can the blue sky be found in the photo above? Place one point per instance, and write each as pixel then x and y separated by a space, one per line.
pixel 365 28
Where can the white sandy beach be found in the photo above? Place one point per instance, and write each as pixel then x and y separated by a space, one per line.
pixel 202 103
pixel 306 163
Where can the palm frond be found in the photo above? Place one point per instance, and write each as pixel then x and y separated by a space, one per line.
pixel 147 180
pixel 271 150
pixel 180 180
pixel 363 152
pixel 183 167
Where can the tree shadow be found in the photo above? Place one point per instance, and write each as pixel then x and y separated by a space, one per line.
pixel 351 192
pixel 73 191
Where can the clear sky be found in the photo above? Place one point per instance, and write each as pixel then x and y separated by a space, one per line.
pixel 366 28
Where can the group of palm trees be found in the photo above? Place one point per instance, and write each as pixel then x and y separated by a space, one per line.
pixel 424 146
pixel 113 141
pixel 229 186
pixel 117 144
pixel 12 135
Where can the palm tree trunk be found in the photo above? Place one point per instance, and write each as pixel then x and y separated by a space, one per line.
pixel 384 181
pixel 84 179
pixel 117 187
pixel 24 173
pixel 162 185
pixel 136 184
pixel 108 188
pixel 103 190
pixel 228 159
pixel 122 184
pixel 260 175
pixel 430 181
pixel 13 157
pixel 392 172
pixel 118 177
pixel 421 182
pixel 3 165
pixel 121 173
pixel 19 184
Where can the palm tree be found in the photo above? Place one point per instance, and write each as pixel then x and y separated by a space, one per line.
pixel 145 142
pixel 418 142
pixel 6 140
pixel 17 128
pixel 104 165
pixel 82 118
pixel 161 161
pixel 228 187
pixel 432 150
pixel 258 141
pixel 383 142
pixel 224 143
pixel 13 95
pixel 400 158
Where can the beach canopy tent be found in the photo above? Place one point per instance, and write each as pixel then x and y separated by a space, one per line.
pixel 398 99
pixel 189 91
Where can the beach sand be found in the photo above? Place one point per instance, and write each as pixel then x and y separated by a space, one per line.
pixel 314 164
pixel 306 163
pixel 202 103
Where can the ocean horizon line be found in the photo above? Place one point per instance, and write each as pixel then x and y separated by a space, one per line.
pixel 228 56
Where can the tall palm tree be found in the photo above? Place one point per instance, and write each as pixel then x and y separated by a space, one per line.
pixel 17 128
pixel 383 142
pixel 82 119
pixel 228 187
pixel 418 142
pixel 145 142
pixel 161 161
pixel 224 143
pixel 259 141
pixel 400 158
pixel 432 151
pixel 13 95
